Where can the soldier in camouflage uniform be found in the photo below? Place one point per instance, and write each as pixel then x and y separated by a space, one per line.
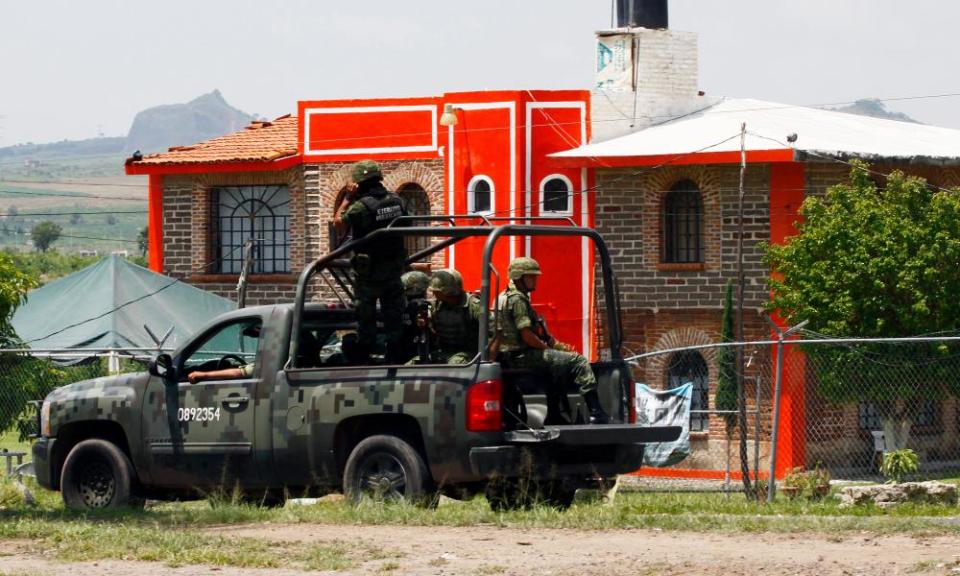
pixel 525 342
pixel 415 285
pixel 456 318
pixel 377 267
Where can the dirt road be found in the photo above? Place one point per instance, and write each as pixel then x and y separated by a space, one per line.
pixel 484 550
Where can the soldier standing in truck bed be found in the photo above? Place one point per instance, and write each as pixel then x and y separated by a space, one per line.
pixel 525 342
pixel 377 267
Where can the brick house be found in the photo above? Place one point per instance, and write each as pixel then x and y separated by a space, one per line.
pixel 660 183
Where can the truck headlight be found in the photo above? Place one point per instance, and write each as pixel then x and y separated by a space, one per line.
pixel 45 419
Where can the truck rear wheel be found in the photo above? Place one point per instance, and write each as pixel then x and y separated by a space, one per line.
pixel 97 474
pixel 386 468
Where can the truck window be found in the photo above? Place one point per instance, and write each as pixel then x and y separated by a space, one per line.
pixel 228 346
pixel 327 346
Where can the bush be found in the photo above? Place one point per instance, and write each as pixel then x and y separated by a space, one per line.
pixel 809 484
pixel 899 464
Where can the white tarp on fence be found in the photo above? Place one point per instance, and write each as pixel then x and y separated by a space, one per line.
pixel 665 408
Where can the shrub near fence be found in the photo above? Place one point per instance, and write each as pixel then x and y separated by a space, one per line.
pixel 27 375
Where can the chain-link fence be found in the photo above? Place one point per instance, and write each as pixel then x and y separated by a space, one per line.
pixel 842 402
pixel 837 404
pixel 27 375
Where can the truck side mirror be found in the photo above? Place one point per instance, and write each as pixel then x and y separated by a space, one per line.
pixel 161 365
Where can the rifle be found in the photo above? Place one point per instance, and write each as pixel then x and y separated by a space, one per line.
pixel 422 339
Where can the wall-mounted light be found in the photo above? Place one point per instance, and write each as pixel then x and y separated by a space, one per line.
pixel 449 116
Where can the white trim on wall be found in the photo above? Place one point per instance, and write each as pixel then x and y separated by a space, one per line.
pixel 309 112
pixel 471 195
pixel 511 106
pixel 570 201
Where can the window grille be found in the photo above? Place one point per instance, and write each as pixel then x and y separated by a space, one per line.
pixel 418 204
pixel 690 367
pixel 682 224
pixel 260 213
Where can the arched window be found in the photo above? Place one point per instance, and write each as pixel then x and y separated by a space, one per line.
pixel 557 194
pixel 418 204
pixel 480 195
pixel 690 367
pixel 683 224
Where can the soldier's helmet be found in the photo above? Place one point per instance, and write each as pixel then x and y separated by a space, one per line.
pixel 365 170
pixel 522 266
pixel 447 281
pixel 415 283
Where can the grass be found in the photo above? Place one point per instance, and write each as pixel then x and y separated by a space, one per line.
pixel 174 533
pixel 10 441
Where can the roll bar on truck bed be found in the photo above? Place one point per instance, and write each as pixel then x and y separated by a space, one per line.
pixel 453 234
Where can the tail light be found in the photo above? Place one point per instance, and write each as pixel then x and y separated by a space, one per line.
pixel 631 402
pixel 484 401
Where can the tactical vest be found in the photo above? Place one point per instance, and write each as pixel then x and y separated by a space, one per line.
pixel 384 208
pixel 456 330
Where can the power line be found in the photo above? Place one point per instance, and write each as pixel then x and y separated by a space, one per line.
pixel 75 183
pixel 79 196
pixel 105 213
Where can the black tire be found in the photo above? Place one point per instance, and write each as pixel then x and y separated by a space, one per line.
pixel 97 474
pixel 386 468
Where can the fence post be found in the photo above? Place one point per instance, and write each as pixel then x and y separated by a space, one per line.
pixel 772 479
pixel 113 362
pixel 781 334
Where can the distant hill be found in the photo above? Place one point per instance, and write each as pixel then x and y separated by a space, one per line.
pixel 876 108
pixel 91 146
pixel 209 116
pixel 153 130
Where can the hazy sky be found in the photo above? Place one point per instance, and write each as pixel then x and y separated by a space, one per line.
pixel 71 68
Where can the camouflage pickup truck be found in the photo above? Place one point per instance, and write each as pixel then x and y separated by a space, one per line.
pixel 304 418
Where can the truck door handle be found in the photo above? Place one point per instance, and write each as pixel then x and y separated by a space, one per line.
pixel 235 401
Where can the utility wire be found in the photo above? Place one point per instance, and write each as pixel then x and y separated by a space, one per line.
pixel 666 118
pixel 105 213
pixel 78 196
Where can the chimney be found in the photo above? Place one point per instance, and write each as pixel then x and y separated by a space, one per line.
pixel 644 69
pixel 651 14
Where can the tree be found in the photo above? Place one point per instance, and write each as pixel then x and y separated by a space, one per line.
pixel 44 234
pixel 143 240
pixel 875 261
pixel 12 211
pixel 14 285
pixel 726 396
pixel 76 219
pixel 111 220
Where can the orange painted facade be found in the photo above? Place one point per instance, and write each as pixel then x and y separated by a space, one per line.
pixel 504 139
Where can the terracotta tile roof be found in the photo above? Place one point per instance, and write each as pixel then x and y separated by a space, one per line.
pixel 261 141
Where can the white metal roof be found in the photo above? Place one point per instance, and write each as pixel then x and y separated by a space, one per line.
pixel 820 132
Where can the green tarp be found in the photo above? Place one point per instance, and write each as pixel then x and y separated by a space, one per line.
pixel 75 311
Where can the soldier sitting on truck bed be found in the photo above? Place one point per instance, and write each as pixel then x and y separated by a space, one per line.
pixel 455 318
pixel 525 342
pixel 415 285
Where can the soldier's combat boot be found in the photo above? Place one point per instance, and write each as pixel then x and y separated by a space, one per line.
pixel 597 414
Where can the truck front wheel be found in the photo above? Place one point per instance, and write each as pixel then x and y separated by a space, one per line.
pixel 96 474
pixel 385 468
